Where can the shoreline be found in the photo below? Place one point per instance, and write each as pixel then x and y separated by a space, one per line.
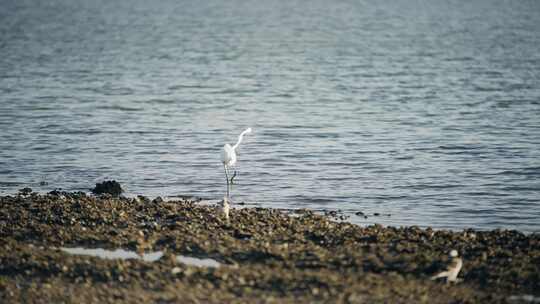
pixel 264 254
pixel 359 215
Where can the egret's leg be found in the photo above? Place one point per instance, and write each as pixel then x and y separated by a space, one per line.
pixel 227 179
pixel 232 178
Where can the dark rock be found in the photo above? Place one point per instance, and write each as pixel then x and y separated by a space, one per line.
pixel 143 199
pixel 108 187
pixel 158 200
pixel 25 191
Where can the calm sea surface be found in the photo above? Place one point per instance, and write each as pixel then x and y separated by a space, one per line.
pixel 427 110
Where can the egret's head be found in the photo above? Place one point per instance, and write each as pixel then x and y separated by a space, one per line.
pixel 248 130
pixel 453 253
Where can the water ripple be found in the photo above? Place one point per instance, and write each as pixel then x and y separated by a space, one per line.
pixel 385 113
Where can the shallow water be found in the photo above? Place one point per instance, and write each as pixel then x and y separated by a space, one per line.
pixel 147 256
pixel 114 254
pixel 427 110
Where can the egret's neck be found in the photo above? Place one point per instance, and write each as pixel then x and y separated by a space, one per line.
pixel 240 138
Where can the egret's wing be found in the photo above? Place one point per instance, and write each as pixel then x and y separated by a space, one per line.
pixel 452 265
pixel 225 155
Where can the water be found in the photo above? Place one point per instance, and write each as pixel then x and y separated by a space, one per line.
pixel 427 110
pixel 147 257
pixel 114 254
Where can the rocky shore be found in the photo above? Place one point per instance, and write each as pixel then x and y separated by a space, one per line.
pixel 264 256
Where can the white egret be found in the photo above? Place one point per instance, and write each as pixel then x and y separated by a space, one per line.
pixel 228 157
pixel 452 269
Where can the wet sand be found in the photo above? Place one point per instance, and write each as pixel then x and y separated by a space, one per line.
pixel 265 256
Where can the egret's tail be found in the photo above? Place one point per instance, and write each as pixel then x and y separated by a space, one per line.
pixel 443 274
